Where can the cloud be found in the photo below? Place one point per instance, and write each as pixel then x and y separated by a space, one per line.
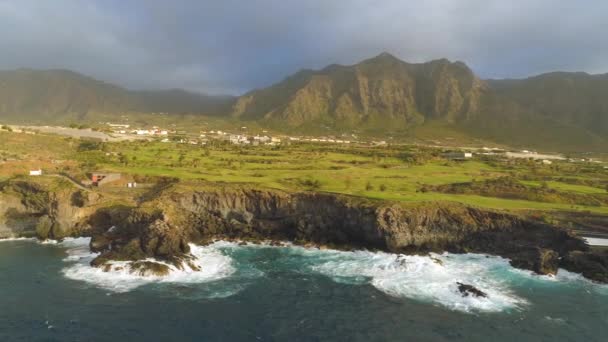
pixel 233 46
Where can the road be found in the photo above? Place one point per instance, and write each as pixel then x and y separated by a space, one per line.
pixel 71 180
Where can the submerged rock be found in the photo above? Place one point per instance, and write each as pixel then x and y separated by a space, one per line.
pixel 470 290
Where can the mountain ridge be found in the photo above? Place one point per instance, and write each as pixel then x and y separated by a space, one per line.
pixel 380 95
pixel 55 93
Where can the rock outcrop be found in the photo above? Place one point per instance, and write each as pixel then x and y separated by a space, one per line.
pixel 135 234
pixel 470 290
pixel 379 92
pixel 242 213
pixel 46 211
pixel 161 227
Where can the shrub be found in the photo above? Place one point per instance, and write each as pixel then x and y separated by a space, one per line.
pixel 310 183
pixel 90 145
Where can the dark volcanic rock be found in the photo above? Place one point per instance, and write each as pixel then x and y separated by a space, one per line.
pixel 161 227
pixel 148 268
pixel 137 234
pixel 539 260
pixel 241 213
pixel 466 290
pixel 591 265
pixel 28 208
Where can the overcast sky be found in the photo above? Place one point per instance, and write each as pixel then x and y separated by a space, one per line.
pixel 231 46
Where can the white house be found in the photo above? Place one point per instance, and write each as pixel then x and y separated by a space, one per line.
pixel 458 155
pixel 36 172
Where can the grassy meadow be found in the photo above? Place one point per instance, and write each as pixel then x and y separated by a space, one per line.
pixel 387 172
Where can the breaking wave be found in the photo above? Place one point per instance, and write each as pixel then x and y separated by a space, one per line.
pixel 427 278
pixel 433 278
pixel 226 268
pixel 8 239
pixel 119 278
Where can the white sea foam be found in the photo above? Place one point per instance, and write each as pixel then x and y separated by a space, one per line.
pixel 212 263
pixel 429 278
pixel 17 239
pixel 426 278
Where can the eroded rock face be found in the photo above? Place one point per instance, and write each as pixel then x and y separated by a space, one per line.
pixel 161 227
pixel 591 265
pixel 539 260
pixel 348 222
pixel 128 234
pixel 32 209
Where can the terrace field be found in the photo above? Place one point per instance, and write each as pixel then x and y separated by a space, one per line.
pixel 394 172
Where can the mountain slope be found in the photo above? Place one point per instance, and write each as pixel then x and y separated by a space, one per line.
pixel 385 95
pixel 378 96
pixel 577 99
pixel 50 95
pixel 378 92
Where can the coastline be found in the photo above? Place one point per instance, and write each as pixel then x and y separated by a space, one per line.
pixel 162 225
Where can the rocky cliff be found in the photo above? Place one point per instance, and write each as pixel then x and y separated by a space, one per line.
pixel 48 211
pixel 381 91
pixel 162 227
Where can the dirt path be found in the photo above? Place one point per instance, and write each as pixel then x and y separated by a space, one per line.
pixel 71 180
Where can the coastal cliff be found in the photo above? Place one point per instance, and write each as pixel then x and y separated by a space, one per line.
pixel 162 226
pixel 46 210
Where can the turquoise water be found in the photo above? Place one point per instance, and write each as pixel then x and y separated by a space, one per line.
pixel 261 293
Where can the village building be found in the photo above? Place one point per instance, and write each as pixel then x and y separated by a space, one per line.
pixel 238 139
pixel 457 155
pixel 36 172
pixel 104 178
pixel 119 125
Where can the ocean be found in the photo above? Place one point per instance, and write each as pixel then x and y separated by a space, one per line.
pixel 48 292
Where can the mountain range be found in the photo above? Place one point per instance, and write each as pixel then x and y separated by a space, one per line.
pixel 53 95
pixel 379 96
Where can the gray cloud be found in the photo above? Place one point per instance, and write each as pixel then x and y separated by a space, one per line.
pixel 233 46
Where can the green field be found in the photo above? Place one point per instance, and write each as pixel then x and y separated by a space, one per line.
pixel 389 172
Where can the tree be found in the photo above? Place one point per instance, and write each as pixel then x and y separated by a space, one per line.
pixel 123 159
pixel 369 186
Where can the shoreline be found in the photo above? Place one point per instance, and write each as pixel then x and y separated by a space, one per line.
pixel 164 224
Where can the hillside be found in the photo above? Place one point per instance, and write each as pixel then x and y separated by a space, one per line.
pixel 577 99
pixel 382 92
pixel 384 95
pixel 379 96
pixel 55 95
